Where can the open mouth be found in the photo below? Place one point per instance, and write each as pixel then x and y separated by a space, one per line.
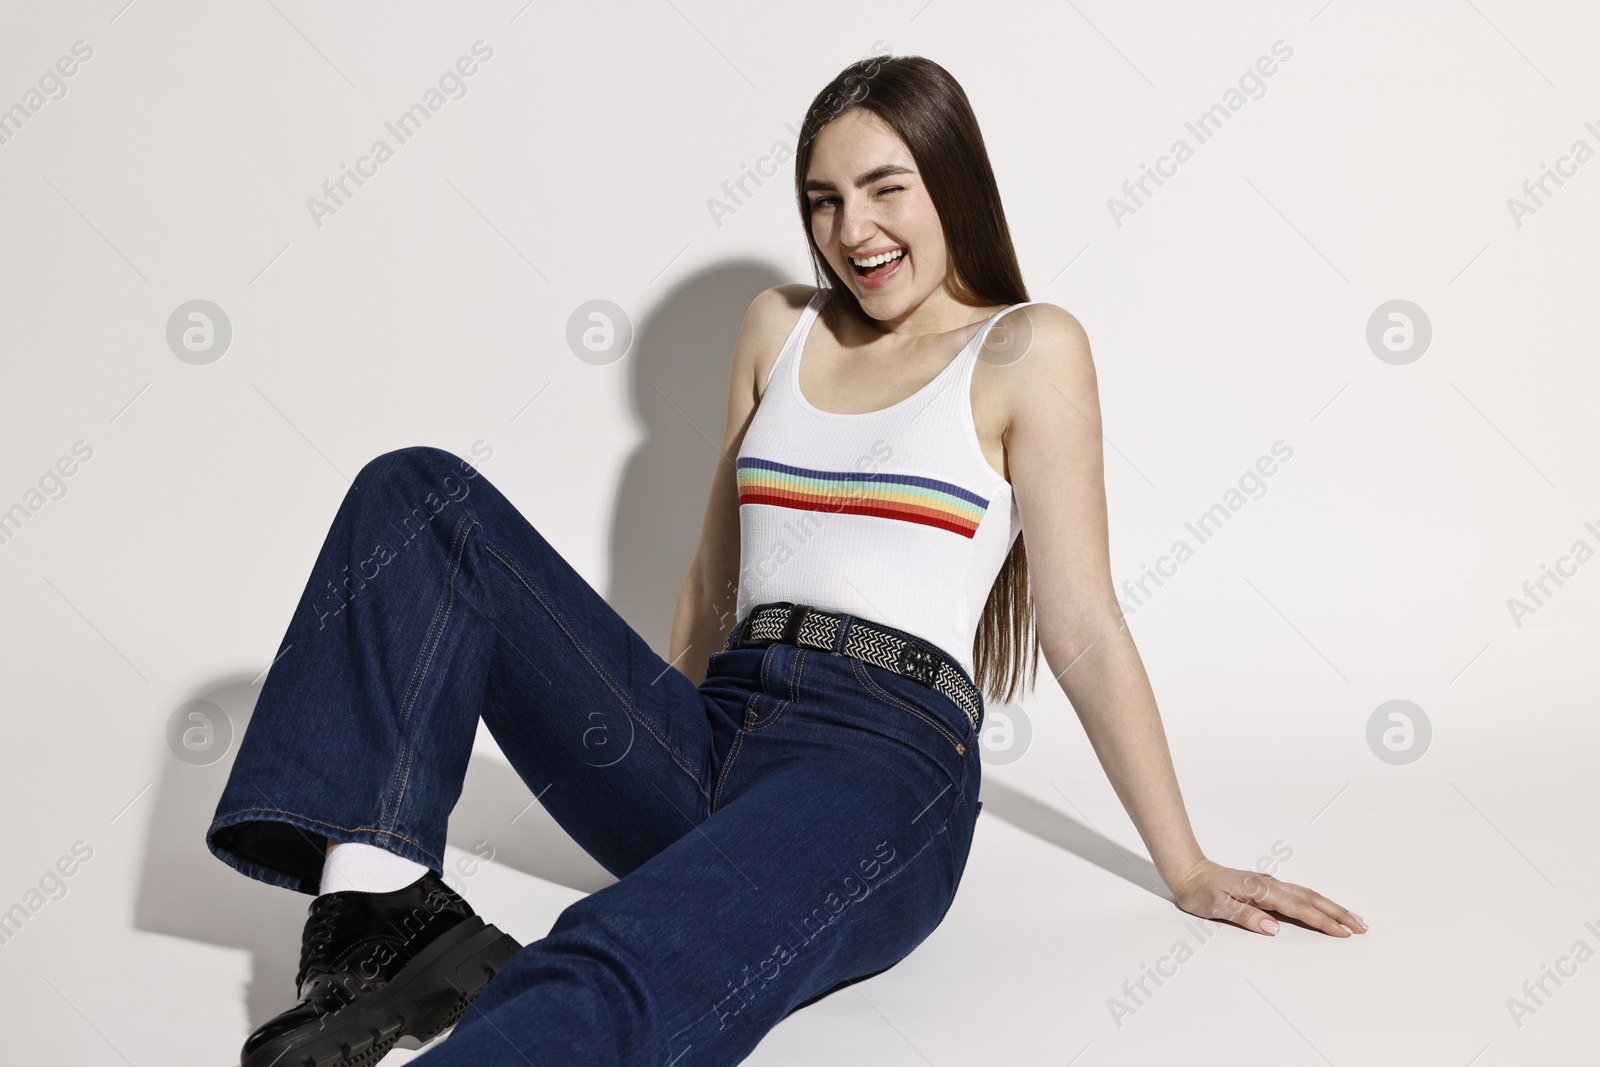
pixel 878 267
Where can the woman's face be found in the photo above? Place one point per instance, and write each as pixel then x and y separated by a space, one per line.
pixel 889 212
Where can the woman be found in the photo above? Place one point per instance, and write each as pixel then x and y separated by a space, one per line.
pixel 798 816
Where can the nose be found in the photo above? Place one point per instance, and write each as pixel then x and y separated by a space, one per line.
pixel 857 223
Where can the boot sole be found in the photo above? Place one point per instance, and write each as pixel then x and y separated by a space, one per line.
pixel 426 997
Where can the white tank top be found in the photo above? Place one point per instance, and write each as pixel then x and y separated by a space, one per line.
pixel 893 516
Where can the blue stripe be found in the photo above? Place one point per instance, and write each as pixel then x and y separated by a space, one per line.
pixel 853 476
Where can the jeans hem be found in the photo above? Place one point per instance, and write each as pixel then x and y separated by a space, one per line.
pixel 254 867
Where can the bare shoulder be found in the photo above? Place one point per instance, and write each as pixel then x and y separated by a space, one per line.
pixel 1043 352
pixel 767 322
pixel 1041 328
pixel 778 308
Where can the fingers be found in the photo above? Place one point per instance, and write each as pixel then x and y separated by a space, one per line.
pixel 1353 922
pixel 1245 901
pixel 1231 909
pixel 1311 908
pixel 1240 906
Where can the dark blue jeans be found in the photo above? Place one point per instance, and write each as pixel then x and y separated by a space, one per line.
pixel 798 821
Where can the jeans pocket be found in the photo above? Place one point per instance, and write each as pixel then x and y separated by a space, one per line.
pixel 897 691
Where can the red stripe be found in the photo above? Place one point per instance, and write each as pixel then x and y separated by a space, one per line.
pixel 921 516
pixel 836 501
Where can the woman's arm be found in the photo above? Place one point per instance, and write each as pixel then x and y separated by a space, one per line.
pixel 706 601
pixel 1054 456
pixel 1053 450
pixel 705 609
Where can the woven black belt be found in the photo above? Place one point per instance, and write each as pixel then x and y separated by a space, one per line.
pixel 809 627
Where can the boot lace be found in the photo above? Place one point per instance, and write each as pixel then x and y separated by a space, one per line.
pixel 316 949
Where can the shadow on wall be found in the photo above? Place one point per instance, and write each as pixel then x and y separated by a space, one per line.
pixel 680 393
pixel 679 383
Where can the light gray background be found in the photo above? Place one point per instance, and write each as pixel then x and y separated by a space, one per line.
pixel 1228 313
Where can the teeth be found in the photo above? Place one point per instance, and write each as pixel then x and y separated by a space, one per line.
pixel 875 260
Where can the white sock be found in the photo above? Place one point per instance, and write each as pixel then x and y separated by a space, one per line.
pixel 366 868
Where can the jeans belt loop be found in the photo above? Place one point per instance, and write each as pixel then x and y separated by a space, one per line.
pixel 791 625
pixel 842 634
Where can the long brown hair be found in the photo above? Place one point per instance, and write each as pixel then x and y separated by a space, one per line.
pixel 927 108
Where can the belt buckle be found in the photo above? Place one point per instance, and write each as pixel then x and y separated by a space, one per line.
pixel 918 663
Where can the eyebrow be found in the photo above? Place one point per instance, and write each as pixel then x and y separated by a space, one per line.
pixel 813 185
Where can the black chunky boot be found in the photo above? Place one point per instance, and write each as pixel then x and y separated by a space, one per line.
pixel 375 967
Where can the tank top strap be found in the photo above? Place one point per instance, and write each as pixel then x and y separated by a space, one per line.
pixel 796 339
pixel 983 333
pixel 970 357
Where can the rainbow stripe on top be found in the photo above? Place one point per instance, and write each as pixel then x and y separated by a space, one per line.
pixel 907 497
